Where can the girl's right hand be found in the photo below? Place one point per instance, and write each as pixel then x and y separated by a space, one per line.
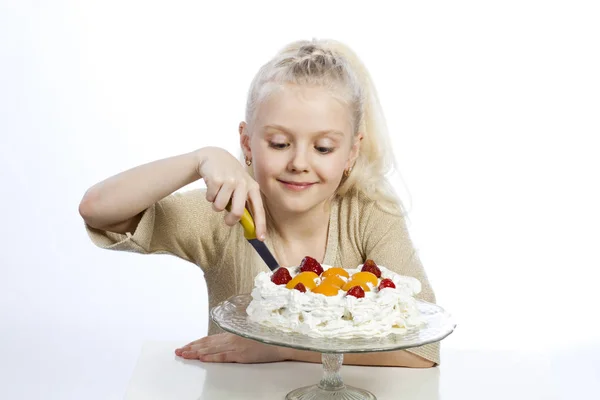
pixel 226 179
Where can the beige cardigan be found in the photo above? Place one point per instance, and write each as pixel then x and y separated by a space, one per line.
pixel 185 225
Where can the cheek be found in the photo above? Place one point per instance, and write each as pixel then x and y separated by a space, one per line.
pixel 335 167
pixel 259 164
pixel 268 162
pixel 263 170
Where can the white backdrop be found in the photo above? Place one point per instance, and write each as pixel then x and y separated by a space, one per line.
pixel 494 116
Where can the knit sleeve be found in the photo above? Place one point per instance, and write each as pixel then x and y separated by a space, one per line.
pixel 182 224
pixel 387 242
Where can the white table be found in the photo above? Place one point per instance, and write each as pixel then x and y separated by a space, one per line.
pixel 567 374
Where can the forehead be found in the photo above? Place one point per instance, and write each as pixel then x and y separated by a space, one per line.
pixel 303 109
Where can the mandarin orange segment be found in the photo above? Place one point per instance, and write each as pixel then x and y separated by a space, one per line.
pixel 365 277
pixel 326 289
pixel 350 284
pixel 335 271
pixel 334 280
pixel 307 278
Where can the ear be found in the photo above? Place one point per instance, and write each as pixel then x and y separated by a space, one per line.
pixel 354 151
pixel 245 139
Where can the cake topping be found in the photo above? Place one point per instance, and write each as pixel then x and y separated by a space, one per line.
pixel 386 283
pixel 300 287
pixel 357 292
pixel 370 266
pixel 307 278
pixel 281 276
pixel 314 305
pixel 327 289
pixel 334 280
pixel 310 264
pixel 335 271
pixel 365 277
pixel 355 282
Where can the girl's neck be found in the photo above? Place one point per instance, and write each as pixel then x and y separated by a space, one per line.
pixel 300 227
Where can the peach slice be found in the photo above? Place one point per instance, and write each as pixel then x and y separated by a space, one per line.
pixel 365 277
pixel 334 280
pixel 307 278
pixel 354 282
pixel 335 271
pixel 326 289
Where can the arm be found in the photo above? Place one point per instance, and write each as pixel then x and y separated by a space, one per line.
pixel 399 358
pixel 227 347
pixel 137 210
pixel 116 204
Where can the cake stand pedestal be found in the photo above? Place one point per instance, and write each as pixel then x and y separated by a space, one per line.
pixel 331 386
pixel 231 316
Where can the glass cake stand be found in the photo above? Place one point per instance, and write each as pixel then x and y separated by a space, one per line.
pixel 231 316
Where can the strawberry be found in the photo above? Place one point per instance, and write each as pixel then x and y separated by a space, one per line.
pixel 386 283
pixel 300 286
pixel 356 291
pixel 370 266
pixel 281 276
pixel 310 264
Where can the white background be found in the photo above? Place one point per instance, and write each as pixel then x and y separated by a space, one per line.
pixel 494 112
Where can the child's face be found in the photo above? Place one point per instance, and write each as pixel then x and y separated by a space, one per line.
pixel 301 142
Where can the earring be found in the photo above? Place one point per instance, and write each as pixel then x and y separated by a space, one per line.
pixel 347 172
pixel 248 161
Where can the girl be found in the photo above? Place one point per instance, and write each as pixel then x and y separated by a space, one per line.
pixel 316 155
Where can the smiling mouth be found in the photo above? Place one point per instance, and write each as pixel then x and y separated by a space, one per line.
pixel 297 185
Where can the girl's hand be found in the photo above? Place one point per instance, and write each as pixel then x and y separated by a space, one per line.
pixel 227 347
pixel 226 179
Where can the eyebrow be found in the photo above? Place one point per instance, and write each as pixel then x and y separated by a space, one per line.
pixel 324 132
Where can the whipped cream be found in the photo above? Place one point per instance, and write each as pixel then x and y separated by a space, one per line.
pixel 379 313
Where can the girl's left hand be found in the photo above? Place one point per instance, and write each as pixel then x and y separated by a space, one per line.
pixel 227 347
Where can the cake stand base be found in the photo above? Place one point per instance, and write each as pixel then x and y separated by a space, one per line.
pixel 332 386
pixel 314 392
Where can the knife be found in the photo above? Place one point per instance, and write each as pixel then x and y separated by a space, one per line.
pixel 250 235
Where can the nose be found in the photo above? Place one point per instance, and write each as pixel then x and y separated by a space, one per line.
pixel 299 161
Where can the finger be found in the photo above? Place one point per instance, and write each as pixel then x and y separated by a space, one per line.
pixel 229 356
pixel 238 204
pixel 224 195
pixel 212 189
pixel 179 351
pixel 183 349
pixel 197 351
pixel 207 341
pixel 258 212
pixel 201 342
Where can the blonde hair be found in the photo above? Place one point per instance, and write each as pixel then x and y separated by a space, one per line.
pixel 335 66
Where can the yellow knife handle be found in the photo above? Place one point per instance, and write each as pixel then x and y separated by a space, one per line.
pixel 247 223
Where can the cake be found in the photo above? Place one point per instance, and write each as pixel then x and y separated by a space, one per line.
pixel 324 301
